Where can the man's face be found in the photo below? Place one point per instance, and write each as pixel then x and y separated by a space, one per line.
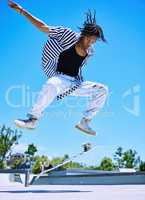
pixel 87 41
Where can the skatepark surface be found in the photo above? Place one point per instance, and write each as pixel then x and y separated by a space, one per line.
pixel 17 191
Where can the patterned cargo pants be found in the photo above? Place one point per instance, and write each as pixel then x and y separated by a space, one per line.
pixel 58 84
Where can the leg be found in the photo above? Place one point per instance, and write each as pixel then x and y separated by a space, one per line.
pixel 45 98
pixel 98 94
pixel 53 87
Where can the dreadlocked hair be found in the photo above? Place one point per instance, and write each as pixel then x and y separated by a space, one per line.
pixel 90 27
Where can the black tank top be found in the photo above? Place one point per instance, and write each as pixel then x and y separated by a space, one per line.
pixel 69 62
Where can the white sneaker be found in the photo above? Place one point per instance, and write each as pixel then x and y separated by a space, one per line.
pixel 26 123
pixel 83 126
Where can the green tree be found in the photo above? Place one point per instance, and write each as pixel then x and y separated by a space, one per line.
pixel 8 138
pixel 30 152
pixel 127 159
pixel 58 160
pixel 71 164
pixel 107 164
pixel 142 166
pixel 118 157
pixel 36 167
pixel 32 149
pixel 130 159
pixel 39 163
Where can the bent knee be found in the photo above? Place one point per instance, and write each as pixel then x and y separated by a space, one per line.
pixel 106 89
pixel 102 88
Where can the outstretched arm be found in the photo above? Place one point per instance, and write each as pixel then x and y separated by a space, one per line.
pixel 35 21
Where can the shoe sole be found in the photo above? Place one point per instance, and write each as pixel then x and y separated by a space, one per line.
pixel 19 126
pixel 85 131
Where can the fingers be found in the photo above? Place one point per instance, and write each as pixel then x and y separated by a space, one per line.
pixel 12 4
pixel 15 6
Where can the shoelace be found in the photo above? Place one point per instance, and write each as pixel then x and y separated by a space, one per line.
pixel 29 120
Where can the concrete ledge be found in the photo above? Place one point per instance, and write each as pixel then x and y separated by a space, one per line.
pixel 16 173
pixel 92 178
pixel 76 177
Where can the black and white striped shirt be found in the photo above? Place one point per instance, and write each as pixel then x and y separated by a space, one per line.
pixel 60 39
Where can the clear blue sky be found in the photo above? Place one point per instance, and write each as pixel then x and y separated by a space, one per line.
pixel 120 64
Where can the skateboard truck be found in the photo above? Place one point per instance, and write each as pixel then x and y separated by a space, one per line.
pixel 86 147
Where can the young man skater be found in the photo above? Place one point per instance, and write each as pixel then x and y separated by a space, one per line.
pixel 64 54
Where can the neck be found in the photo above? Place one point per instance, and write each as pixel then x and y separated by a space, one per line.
pixel 80 49
pixel 81 45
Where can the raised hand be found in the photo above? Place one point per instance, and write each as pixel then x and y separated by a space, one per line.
pixel 34 20
pixel 15 6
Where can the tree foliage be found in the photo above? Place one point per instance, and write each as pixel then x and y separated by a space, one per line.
pixel 8 138
pixel 39 163
pixel 126 159
pixel 142 166
pixel 106 164
pixel 130 159
pixel 118 157
pixel 32 149
pixel 70 165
